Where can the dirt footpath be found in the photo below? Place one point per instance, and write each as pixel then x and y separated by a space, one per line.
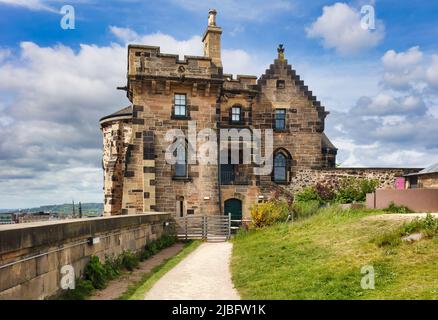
pixel 118 286
pixel 400 216
pixel 202 275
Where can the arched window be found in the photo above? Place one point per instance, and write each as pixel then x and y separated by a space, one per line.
pixel 280 167
pixel 181 161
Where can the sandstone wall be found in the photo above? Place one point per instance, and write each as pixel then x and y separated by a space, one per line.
pixel 32 255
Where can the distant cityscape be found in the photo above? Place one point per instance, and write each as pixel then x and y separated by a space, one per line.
pixel 51 212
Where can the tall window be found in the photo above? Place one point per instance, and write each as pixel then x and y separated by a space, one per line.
pixel 280 119
pixel 236 114
pixel 181 161
pixel 280 168
pixel 180 105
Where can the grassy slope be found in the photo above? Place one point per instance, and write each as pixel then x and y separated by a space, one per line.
pixel 321 258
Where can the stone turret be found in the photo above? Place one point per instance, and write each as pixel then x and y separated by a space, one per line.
pixel 212 40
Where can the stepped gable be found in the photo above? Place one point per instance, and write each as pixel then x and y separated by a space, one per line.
pixel 280 67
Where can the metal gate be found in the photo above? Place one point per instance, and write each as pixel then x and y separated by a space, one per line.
pixel 208 228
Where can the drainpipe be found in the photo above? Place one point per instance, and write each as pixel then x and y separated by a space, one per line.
pixel 219 170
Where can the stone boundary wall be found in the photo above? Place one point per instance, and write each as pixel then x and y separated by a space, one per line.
pixel 32 255
pixel 310 177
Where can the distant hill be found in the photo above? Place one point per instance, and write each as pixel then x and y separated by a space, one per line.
pixel 87 208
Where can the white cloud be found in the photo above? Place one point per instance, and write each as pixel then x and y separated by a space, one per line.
pixel 235 61
pixel 396 61
pixel 29 4
pixel 432 72
pixel 339 27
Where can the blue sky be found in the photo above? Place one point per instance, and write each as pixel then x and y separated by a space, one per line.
pixel 55 84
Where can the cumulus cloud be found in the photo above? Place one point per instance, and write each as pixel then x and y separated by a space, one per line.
pixel 339 27
pixel 399 125
pixel 49 119
pixel 432 73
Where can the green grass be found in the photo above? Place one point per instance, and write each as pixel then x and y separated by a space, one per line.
pixel 138 290
pixel 321 258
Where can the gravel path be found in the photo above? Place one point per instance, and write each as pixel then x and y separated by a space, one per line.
pixel 202 275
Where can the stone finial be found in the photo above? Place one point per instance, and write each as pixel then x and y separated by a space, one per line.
pixel 280 50
pixel 212 17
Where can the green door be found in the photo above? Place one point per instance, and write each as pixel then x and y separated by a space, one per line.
pixel 233 206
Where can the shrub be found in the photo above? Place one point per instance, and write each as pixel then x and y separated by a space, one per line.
pixel 112 267
pixel 83 289
pixel 308 194
pixel 355 189
pixel 129 260
pixel 326 191
pixel 95 272
pixel 305 209
pixel 267 213
pixel 397 209
pixel 428 227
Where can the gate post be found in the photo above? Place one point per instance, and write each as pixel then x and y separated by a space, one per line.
pixel 204 228
pixel 229 225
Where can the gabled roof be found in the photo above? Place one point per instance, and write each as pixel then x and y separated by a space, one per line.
pixel 125 112
pixel 282 64
pixel 432 169
pixel 326 143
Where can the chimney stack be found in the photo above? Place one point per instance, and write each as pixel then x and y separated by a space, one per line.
pixel 212 39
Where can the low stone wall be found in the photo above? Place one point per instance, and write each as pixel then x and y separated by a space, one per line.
pixel 310 177
pixel 418 200
pixel 32 255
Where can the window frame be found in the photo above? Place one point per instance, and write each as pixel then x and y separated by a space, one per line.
pixel 178 166
pixel 285 166
pixel 276 113
pixel 232 114
pixel 178 105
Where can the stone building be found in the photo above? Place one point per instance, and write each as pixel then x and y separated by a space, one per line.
pixel 167 93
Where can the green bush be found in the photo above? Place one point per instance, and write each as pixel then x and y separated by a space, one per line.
pixel 95 272
pixel 305 209
pixel 83 289
pixel 129 260
pixel 308 194
pixel 112 267
pixel 353 189
pixel 427 226
pixel 397 209
pixel 267 213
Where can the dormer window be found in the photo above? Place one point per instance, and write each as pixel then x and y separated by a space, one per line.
pixel 236 114
pixel 180 105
